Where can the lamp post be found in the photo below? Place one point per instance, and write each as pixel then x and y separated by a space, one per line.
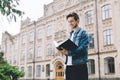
pixel 97 33
pixel 34 50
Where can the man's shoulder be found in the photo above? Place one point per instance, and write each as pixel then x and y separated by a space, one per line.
pixel 82 32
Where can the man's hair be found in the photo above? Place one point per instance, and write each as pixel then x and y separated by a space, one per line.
pixel 73 14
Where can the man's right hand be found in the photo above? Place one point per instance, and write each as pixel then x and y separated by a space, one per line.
pixel 64 51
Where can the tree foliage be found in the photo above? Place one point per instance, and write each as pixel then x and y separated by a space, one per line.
pixel 8 8
pixel 8 72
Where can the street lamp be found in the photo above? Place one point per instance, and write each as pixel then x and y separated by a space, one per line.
pixel 97 33
pixel 34 50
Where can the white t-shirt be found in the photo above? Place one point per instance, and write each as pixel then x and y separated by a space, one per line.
pixel 69 61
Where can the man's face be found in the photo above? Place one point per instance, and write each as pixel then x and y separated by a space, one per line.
pixel 72 22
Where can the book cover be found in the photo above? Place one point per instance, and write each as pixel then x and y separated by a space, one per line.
pixel 67 44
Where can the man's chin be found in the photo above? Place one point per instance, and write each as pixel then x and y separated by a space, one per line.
pixel 72 27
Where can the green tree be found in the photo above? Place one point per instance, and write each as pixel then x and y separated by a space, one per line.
pixel 8 8
pixel 8 72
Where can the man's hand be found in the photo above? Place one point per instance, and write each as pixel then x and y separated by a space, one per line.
pixel 64 51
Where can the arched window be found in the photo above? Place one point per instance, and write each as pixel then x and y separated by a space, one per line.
pixel 89 17
pixel 106 12
pixel 108 37
pixel 109 65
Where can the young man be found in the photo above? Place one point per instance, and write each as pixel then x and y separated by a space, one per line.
pixel 76 67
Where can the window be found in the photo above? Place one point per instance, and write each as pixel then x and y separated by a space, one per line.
pixel 40 35
pixel 48 70
pixel 22 69
pixel 91 66
pixel 39 51
pixel 12 48
pixel 30 53
pixel 23 39
pixel 91 42
pixel 31 36
pixel 49 30
pixel 15 59
pixel 16 45
pixel 8 48
pixel 29 71
pixel 3 48
pixel 38 72
pixel 109 65
pixel 23 55
pixel 49 49
pixel 106 12
pixel 89 17
pixel 108 37
pixel 42 68
pixel 10 60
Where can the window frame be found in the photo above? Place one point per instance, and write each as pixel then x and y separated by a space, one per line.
pixel 39 51
pixel 39 70
pixel 108 37
pixel 91 41
pixel 49 30
pixel 106 11
pixel 40 34
pixel 49 49
pixel 31 36
pixel 91 66
pixel 30 71
pixel 47 70
pixel 110 63
pixel 89 17
pixel 31 53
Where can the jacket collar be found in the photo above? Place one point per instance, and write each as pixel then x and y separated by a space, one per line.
pixel 75 30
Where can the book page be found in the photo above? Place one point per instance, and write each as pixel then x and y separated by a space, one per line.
pixel 56 44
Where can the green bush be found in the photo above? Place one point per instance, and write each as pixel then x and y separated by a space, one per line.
pixel 8 72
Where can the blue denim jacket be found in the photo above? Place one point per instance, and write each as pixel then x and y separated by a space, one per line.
pixel 79 55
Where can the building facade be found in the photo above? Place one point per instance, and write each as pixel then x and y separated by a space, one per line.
pixel 33 51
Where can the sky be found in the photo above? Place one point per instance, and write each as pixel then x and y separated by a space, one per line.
pixel 33 9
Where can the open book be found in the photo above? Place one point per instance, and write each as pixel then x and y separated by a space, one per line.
pixel 67 44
